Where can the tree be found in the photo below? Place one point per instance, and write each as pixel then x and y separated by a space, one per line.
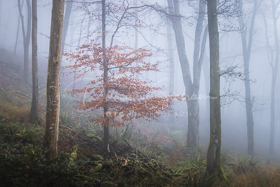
pixel 191 87
pixel 172 62
pixel 105 76
pixel 115 57
pixel 246 48
pixel 53 87
pixel 26 38
pixel 136 32
pixel 274 67
pixel 214 149
pixel 68 10
pixel 171 56
pixel 34 104
pixel 18 26
pixel 120 96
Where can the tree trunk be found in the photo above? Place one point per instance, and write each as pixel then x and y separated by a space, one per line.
pixel 172 65
pixel 68 10
pixel 193 122
pixel 16 43
pixel 214 149
pixel 272 112
pixel 26 38
pixel 105 109
pixel 26 45
pixel 15 48
pixel 53 87
pixel 136 33
pixel 171 56
pixel 192 88
pixel 88 28
pixel 34 104
pixel 246 58
pixel 274 78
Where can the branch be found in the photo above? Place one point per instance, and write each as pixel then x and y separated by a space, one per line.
pixel 22 21
pixel 118 26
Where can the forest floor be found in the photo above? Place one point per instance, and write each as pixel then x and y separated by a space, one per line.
pixel 129 161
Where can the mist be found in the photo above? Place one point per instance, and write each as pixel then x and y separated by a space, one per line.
pixel 248 30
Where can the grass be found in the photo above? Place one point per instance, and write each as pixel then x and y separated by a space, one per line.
pixel 264 176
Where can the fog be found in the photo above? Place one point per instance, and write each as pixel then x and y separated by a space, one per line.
pixel 153 33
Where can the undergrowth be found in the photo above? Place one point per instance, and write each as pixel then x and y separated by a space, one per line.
pixel 80 163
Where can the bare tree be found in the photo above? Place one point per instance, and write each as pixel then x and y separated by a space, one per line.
pixel 171 56
pixel 191 87
pixel 246 48
pixel 105 77
pixel 214 150
pixel 135 2
pixel 274 67
pixel 172 62
pixel 68 10
pixel 53 87
pixel 18 26
pixel 26 38
pixel 34 104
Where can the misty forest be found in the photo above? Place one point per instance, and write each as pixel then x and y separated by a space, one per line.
pixel 139 93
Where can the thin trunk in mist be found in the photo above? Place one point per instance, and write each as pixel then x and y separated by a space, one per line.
pixel 68 10
pixel 53 85
pixel 105 76
pixel 206 71
pixel 136 32
pixel 171 57
pixel 81 28
pixel 88 28
pixel 191 87
pixel 172 65
pixel 246 48
pixel 26 38
pixel 16 43
pixel 34 104
pixel 274 77
pixel 214 165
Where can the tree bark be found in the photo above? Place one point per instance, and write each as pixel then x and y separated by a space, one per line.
pixel 53 87
pixel 274 78
pixel 34 104
pixel 105 109
pixel 214 149
pixel 246 58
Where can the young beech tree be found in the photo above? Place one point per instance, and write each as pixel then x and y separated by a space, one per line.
pixel 117 92
pixel 53 87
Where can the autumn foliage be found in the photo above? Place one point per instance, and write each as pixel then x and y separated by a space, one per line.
pixel 127 97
